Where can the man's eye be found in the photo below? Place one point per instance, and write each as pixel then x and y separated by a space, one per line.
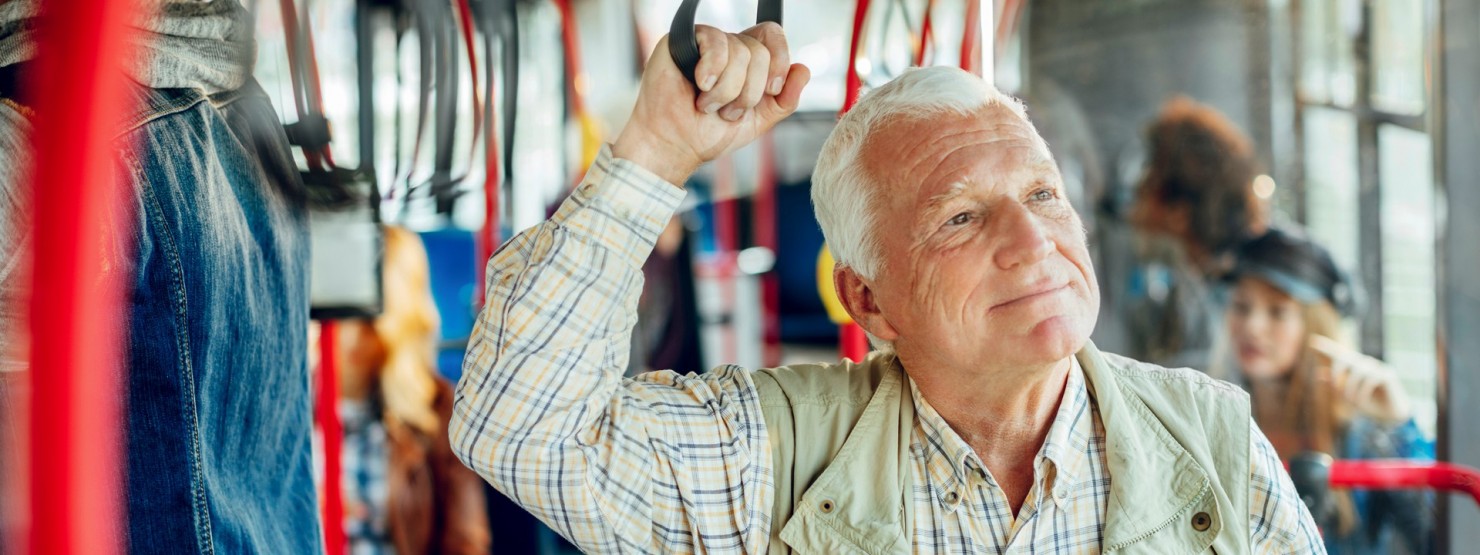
pixel 1044 195
pixel 959 219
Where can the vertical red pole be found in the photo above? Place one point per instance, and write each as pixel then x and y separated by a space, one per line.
pixel 852 343
pixel 77 291
pixel 328 417
pixel 726 244
pixel 765 236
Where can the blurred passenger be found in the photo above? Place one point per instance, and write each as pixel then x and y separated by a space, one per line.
pixel 1312 392
pixel 403 489
pixel 214 249
pixel 1197 198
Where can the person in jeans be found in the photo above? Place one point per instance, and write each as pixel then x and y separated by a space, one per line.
pixel 217 423
pixel 985 423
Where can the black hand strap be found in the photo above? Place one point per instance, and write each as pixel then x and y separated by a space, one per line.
pixel 683 43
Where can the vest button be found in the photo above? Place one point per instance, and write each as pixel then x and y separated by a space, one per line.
pixel 828 506
pixel 1201 522
pixel 952 498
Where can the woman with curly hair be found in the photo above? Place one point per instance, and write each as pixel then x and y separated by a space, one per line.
pixel 1195 203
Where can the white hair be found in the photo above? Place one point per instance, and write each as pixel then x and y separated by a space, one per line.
pixel 842 191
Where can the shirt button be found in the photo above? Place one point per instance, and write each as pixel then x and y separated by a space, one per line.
pixel 952 498
pixel 1201 522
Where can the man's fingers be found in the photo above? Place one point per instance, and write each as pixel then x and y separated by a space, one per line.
pixel 755 80
pixel 773 37
pixel 776 108
pixel 714 55
pixel 731 78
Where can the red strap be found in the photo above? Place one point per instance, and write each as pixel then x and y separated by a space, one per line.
pixel 925 28
pixel 465 21
pixel 80 92
pixel 971 49
pixel 574 75
pixel 327 416
pixel 488 237
pixel 854 83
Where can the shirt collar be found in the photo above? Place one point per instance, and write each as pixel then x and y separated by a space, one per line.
pixel 949 460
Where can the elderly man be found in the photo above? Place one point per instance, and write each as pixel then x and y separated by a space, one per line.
pixel 987 423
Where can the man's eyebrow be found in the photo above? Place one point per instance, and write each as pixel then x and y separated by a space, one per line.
pixel 951 193
pixel 1044 166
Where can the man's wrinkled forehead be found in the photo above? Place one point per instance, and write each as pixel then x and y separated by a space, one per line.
pixel 898 144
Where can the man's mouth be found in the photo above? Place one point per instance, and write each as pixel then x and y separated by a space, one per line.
pixel 1033 295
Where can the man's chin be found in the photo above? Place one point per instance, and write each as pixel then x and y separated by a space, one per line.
pixel 1056 338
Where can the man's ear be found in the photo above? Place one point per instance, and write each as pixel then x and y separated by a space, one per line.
pixel 858 299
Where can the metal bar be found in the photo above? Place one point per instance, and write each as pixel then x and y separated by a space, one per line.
pixel 75 306
pixel 1416 122
pixel 1455 118
pixel 1369 192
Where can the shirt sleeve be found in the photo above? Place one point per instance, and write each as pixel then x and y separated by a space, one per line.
pixel 663 462
pixel 15 225
pixel 1279 522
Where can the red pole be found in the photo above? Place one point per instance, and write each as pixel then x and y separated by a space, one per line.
pixel 726 243
pixel 852 343
pixel 765 236
pixel 328 417
pixel 77 294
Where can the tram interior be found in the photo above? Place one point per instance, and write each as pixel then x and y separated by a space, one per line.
pixel 1344 121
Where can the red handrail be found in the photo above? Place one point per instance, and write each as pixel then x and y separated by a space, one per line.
pixel 77 291
pixel 1405 474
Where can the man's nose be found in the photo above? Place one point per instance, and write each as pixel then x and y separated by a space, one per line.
pixel 1024 240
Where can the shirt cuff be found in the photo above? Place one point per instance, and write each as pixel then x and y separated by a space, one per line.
pixel 621 206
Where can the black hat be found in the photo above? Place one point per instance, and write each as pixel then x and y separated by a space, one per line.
pixel 1298 266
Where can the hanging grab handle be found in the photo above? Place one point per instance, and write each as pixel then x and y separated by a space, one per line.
pixel 683 44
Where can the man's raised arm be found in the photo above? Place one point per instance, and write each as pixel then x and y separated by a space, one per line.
pixel 662 462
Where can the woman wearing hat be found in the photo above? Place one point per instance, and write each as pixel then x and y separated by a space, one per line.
pixel 1312 392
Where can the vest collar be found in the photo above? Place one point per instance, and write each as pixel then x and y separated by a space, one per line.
pixel 860 504
pixel 1153 479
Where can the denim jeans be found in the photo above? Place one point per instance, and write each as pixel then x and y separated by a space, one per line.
pixel 217 387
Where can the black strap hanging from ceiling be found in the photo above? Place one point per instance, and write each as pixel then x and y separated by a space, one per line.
pixel 683 44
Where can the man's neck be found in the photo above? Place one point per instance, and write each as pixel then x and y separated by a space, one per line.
pixel 1009 410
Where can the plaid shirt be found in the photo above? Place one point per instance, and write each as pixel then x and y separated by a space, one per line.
pixel 680 463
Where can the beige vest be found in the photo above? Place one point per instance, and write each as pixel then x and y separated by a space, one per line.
pixel 1177 446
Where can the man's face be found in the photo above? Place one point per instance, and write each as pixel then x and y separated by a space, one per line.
pixel 984 259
